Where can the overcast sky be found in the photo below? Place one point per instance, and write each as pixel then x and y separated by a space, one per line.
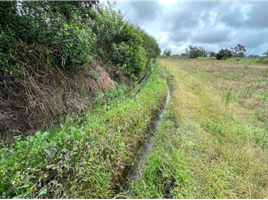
pixel 210 24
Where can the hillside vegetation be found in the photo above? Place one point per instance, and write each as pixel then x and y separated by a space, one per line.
pixel 57 57
pixel 86 157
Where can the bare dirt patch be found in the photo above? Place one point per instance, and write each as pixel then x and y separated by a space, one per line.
pixel 40 98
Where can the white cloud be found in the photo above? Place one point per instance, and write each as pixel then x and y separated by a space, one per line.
pixel 213 25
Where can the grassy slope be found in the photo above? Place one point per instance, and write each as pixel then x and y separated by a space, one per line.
pixel 213 140
pixel 85 158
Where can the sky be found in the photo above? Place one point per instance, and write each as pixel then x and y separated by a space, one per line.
pixel 209 24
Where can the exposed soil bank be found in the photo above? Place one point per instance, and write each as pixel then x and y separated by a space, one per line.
pixel 40 98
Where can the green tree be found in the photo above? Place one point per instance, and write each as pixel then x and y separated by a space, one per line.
pixel 241 54
pixel 238 51
pixel 195 52
pixel 266 53
pixel 167 53
pixel 223 54
pixel 212 54
pixel 122 44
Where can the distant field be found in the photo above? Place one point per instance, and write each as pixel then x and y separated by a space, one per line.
pixel 213 142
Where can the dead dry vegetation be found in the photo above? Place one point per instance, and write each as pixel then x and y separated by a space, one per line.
pixel 42 97
pixel 213 140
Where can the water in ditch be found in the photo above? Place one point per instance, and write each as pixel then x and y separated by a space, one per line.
pixel 136 169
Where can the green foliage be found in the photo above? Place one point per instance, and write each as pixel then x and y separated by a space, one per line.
pixel 262 61
pixel 49 31
pixel 240 54
pixel 212 54
pixel 238 51
pixel 167 53
pixel 266 53
pixel 65 34
pixel 223 54
pixel 73 45
pixel 150 45
pixel 195 52
pixel 116 93
pixel 121 43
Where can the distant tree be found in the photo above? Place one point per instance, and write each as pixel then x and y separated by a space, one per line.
pixel 195 52
pixel 212 54
pixel 223 54
pixel 167 53
pixel 241 54
pixel 266 53
pixel 187 51
pixel 238 51
pixel 253 56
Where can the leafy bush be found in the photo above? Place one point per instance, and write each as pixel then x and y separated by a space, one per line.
pixel 65 34
pixel 51 30
pixel 150 45
pixel 223 54
pixel 121 43
pixel 73 45
pixel 262 61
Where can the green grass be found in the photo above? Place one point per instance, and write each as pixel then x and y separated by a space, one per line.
pixel 202 58
pixel 263 61
pixel 242 60
pixel 248 61
pixel 206 148
pixel 85 157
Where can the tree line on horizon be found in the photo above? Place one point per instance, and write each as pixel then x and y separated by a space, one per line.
pixel 223 54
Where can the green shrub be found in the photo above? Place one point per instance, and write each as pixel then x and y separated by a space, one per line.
pixel 223 54
pixel 262 61
pixel 48 31
pixel 66 34
pixel 121 43
pixel 73 44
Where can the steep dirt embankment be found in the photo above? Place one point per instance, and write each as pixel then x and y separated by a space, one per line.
pixel 42 97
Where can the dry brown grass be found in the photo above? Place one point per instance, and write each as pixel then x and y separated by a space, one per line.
pixel 212 143
pixel 224 160
pixel 40 98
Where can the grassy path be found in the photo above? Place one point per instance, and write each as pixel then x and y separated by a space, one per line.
pixel 213 140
